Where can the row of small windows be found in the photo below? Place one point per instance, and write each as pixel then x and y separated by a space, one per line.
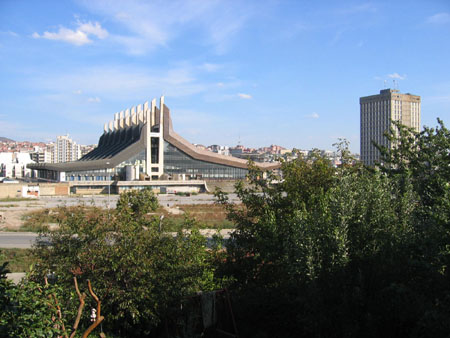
pixel 88 178
pixel 375 106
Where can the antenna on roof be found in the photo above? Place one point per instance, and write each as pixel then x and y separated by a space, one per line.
pixel 385 84
pixel 395 84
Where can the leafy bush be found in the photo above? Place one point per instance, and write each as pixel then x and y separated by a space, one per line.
pixel 140 274
pixel 27 309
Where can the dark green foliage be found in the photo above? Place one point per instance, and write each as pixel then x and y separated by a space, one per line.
pixel 346 252
pixel 27 309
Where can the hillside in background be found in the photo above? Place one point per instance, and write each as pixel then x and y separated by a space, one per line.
pixel 5 139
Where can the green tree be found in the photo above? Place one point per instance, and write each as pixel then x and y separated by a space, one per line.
pixel 140 274
pixel 137 203
pixel 336 252
pixel 424 159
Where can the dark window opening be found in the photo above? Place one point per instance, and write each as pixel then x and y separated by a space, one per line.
pixel 155 150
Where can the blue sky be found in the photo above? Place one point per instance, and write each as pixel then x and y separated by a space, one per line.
pixel 262 72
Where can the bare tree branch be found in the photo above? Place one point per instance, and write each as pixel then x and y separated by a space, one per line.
pixel 81 297
pixel 57 307
pixel 99 318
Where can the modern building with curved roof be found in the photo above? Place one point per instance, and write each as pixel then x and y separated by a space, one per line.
pixel 140 144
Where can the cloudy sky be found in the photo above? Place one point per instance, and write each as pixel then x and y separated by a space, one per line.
pixel 259 72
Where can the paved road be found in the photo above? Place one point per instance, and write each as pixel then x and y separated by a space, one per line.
pixel 102 200
pixel 15 276
pixel 24 240
pixel 21 240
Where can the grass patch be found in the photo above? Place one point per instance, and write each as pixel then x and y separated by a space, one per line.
pixel 14 199
pixel 206 216
pixel 9 205
pixel 38 220
pixel 19 260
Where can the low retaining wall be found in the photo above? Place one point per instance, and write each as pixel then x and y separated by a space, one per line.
pixel 11 190
pixel 14 190
pixel 54 189
pixel 224 185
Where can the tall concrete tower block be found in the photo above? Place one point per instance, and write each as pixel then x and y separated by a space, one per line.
pixel 376 115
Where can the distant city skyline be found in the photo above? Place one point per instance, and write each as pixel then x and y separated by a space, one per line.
pixel 288 73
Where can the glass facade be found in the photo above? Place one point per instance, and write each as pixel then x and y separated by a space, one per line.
pixel 119 171
pixel 91 175
pixel 137 160
pixel 178 162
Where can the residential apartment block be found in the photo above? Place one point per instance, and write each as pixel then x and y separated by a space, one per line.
pixel 66 150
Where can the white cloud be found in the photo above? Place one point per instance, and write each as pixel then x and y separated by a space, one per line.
pixel 10 33
pixel 77 37
pixel 78 92
pixel 93 28
pixel 94 99
pixel 439 18
pixel 210 67
pixel 244 96
pixel 151 24
pixel 314 115
pixel 124 82
pixel 397 76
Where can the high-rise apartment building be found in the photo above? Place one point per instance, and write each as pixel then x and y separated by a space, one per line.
pixel 377 113
pixel 66 150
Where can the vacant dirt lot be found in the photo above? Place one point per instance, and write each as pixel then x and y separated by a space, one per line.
pixel 13 212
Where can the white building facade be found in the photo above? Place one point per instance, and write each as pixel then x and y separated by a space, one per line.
pixel 66 150
pixel 15 165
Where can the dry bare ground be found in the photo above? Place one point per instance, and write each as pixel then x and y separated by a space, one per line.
pixel 13 213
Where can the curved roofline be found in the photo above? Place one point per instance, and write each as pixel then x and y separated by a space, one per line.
pixel 205 155
pixel 170 136
pixel 105 163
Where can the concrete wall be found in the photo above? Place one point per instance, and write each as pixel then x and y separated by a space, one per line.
pixel 54 189
pixel 46 189
pixel 120 190
pixel 90 190
pixel 224 185
pixel 10 190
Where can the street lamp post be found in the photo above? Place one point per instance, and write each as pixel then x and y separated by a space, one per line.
pixel 109 187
